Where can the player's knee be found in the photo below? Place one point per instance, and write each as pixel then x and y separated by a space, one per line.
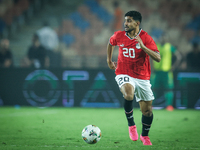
pixel 128 96
pixel 127 91
pixel 147 113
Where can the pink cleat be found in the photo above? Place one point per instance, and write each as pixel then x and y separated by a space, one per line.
pixel 145 140
pixel 133 133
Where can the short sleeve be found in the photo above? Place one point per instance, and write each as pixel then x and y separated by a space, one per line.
pixel 150 43
pixel 113 40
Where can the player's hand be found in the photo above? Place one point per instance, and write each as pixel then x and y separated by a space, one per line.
pixel 139 40
pixel 112 65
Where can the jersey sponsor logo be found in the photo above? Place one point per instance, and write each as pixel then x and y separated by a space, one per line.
pixel 138 46
pixel 122 45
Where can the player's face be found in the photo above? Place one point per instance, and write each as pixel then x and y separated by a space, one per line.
pixel 130 24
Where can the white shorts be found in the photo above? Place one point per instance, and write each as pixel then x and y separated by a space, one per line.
pixel 142 87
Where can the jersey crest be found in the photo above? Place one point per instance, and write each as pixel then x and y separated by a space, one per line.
pixel 138 46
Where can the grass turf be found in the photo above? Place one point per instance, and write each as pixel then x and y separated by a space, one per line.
pixel 29 128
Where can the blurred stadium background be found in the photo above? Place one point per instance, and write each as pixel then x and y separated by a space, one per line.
pixel 83 28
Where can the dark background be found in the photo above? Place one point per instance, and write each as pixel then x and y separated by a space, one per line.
pixel 12 81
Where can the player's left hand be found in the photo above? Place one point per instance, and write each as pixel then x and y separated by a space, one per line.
pixel 139 40
pixel 112 65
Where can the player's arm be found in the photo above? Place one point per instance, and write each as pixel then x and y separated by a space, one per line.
pixel 154 55
pixel 111 64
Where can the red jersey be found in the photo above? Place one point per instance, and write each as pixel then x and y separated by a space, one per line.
pixel 132 60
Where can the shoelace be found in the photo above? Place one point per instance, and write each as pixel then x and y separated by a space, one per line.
pixel 133 129
pixel 147 140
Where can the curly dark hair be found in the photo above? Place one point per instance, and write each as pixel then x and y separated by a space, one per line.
pixel 135 15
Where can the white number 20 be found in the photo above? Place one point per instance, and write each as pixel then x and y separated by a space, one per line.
pixel 129 52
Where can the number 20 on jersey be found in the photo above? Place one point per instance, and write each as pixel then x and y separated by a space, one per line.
pixel 129 52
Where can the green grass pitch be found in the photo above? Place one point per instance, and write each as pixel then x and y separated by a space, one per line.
pixel 30 128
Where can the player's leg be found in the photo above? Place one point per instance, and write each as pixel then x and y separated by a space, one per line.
pixel 127 87
pixel 145 97
pixel 157 80
pixel 128 93
pixel 169 95
pixel 147 119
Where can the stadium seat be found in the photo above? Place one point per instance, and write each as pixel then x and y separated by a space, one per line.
pixel 194 24
pixel 68 39
pixel 23 4
pixel 101 12
pixel 79 21
pixel 195 39
pixel 156 32
pixel 92 61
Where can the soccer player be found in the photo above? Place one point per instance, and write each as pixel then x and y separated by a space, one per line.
pixel 133 71
pixel 162 75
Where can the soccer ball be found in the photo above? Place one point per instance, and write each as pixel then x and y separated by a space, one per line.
pixel 91 134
